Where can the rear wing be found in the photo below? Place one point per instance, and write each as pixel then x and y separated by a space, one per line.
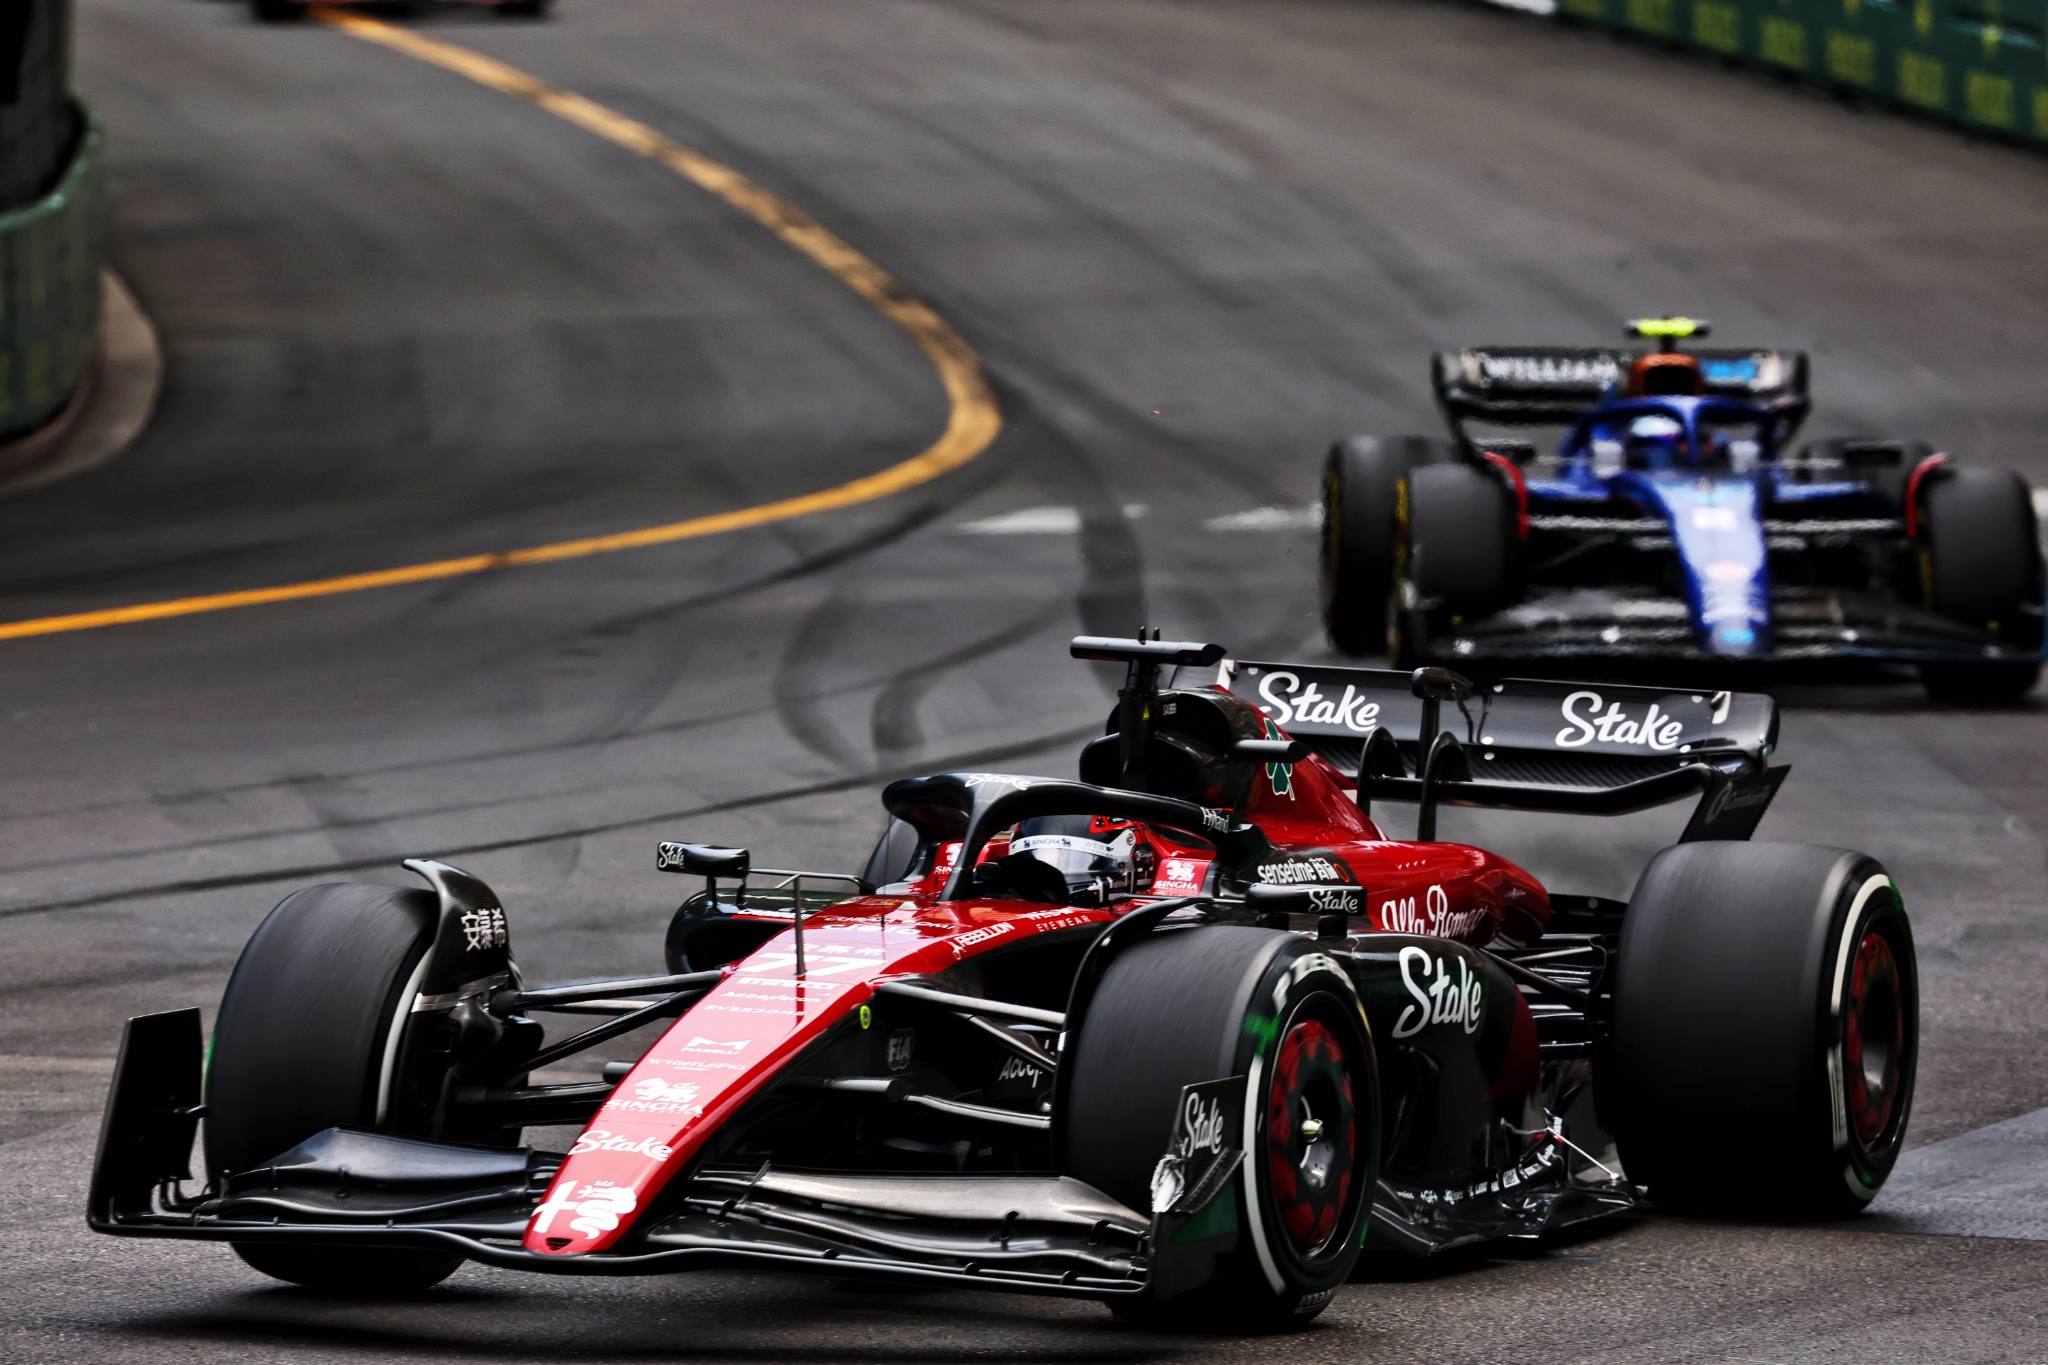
pixel 1528 744
pixel 1553 385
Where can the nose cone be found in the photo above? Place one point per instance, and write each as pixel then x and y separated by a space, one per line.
pixel 1716 526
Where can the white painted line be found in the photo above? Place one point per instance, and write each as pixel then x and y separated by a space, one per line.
pixel 2041 502
pixel 1992 1182
pixel 1268 519
pixel 1038 521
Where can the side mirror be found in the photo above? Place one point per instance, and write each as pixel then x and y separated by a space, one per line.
pixel 1440 685
pixel 1269 750
pixel 1333 906
pixel 702 860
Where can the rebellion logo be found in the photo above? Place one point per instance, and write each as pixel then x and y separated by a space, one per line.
pixel 1291 703
pixel 1441 995
pixel 1585 722
pixel 967 940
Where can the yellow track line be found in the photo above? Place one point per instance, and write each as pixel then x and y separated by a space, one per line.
pixel 971 425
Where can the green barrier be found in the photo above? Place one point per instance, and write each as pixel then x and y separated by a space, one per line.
pixel 50 255
pixel 1978 62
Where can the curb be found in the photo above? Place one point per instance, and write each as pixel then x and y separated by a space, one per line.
pixel 113 404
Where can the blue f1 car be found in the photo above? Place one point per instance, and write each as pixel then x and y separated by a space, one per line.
pixel 1671 524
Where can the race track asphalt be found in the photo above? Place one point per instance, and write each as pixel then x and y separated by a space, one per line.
pixel 407 317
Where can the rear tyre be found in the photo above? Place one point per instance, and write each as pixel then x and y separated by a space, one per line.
pixel 1980 564
pixel 1766 1030
pixel 306 1041
pixel 1361 479
pixel 1455 555
pixel 1198 1005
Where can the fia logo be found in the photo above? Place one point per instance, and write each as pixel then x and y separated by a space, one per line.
pixel 902 1043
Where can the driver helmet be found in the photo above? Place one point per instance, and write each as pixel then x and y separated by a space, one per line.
pixel 1654 441
pixel 1100 859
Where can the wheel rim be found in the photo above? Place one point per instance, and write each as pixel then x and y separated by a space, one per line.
pixel 1311 1135
pixel 1873 1045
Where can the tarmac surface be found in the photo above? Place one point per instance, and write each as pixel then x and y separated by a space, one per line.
pixel 407 318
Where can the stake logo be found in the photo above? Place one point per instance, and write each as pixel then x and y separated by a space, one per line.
pixel 1586 722
pixel 1441 997
pixel 604 1140
pixel 1201 1122
pixel 1289 702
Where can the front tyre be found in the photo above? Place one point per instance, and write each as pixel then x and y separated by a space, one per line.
pixel 1766 1030
pixel 1189 1006
pixel 306 1040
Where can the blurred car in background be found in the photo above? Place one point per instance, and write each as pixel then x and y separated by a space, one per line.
pixel 1674 522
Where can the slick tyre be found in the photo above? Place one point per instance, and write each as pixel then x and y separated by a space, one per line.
pixel 1766 1030
pixel 1980 564
pixel 306 1040
pixel 1183 1007
pixel 1455 553
pixel 1361 481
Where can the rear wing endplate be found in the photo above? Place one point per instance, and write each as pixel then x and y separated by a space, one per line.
pixel 1531 744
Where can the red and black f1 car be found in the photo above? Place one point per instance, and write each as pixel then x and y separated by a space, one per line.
pixel 1185 1036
